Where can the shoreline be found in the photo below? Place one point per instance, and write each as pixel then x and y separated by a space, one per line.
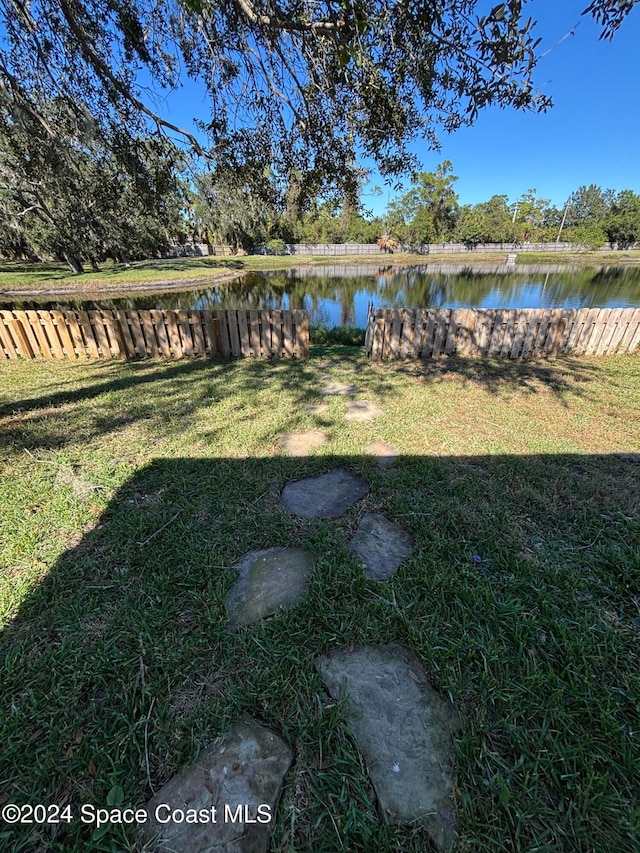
pixel 94 288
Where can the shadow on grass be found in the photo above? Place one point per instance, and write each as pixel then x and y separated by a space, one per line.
pixel 118 667
pixel 183 387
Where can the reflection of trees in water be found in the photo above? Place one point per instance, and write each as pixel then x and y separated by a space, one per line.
pixel 410 287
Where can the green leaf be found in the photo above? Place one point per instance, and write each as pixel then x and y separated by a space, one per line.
pixel 505 795
pixel 115 797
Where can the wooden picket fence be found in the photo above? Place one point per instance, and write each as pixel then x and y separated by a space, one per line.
pixel 143 334
pixel 507 333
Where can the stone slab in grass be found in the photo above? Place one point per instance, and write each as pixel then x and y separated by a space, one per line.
pixel 327 496
pixel 300 443
pixel 404 730
pixel 338 389
pixel 381 545
pixel 385 454
pixel 245 769
pixel 268 580
pixel 362 410
pixel 316 409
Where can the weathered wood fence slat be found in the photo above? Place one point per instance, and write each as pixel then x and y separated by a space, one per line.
pixel 154 334
pixel 506 333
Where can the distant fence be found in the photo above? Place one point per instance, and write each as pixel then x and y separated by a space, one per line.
pixel 336 249
pixel 142 334
pixel 508 333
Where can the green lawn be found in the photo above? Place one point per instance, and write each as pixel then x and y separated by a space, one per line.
pixel 128 492
pixel 23 277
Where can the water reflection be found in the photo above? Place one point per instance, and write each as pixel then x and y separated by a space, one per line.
pixel 339 295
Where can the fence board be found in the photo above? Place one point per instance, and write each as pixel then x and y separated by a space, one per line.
pixel 63 333
pixel 418 333
pixel 540 335
pixel 394 340
pixel 245 342
pixel 51 332
pixel 276 333
pixel 634 343
pixel 466 324
pixel 234 336
pixel 509 331
pixel 149 333
pixel 254 330
pixel 551 343
pixel 137 333
pixel 114 334
pixel 7 345
pixel 625 330
pixel 43 343
pixel 157 318
pixel 585 332
pixel 408 329
pixel 184 329
pixel 597 330
pixel 287 330
pixel 198 333
pixel 608 332
pixel 211 334
pixel 265 335
pixel 223 331
pixel 450 343
pixel 439 339
pixel 21 317
pixel 301 321
pixel 430 326
pixel 23 347
pixel 171 323
pixel 378 336
pixel 100 334
pixel 497 335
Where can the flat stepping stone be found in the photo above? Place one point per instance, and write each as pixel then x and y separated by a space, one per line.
pixel 381 545
pixel 327 496
pixel 316 409
pixel 362 410
pixel 338 389
pixel 242 770
pixel 268 580
pixel 404 730
pixel 300 443
pixel 385 453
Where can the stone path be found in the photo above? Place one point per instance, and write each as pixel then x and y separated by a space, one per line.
pixel 243 769
pixel 337 388
pixel 326 496
pixel 402 727
pixel 381 545
pixel 386 454
pixel 268 581
pixel 300 443
pixel 404 730
pixel 362 410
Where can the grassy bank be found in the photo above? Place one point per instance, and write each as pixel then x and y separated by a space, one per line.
pixel 21 279
pixel 128 492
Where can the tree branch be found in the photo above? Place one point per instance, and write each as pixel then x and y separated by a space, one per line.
pixel 280 22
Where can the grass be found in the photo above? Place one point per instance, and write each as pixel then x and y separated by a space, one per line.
pixel 24 278
pixel 130 490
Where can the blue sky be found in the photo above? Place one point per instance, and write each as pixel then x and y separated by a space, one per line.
pixel 589 136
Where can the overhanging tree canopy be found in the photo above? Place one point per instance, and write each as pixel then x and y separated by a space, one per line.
pixel 298 84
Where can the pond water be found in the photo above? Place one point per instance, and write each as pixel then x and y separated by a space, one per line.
pixel 339 295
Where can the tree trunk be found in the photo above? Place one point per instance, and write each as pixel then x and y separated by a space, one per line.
pixel 74 263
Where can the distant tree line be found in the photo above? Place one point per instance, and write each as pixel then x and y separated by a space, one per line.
pixel 75 202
